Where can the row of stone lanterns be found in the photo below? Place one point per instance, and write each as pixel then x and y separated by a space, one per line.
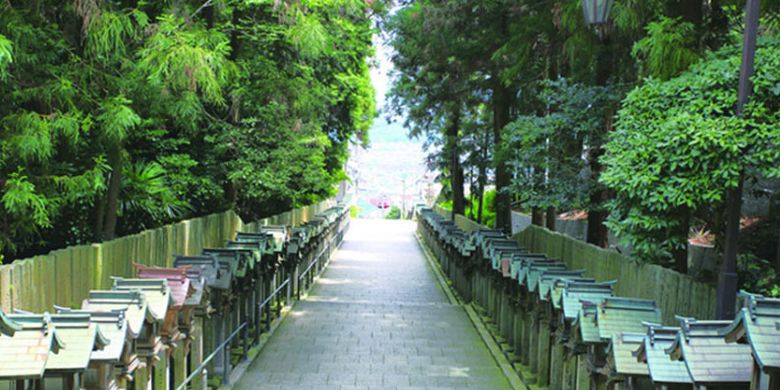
pixel 569 331
pixel 155 330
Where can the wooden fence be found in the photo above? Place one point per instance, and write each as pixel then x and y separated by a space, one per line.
pixel 65 277
pixel 675 293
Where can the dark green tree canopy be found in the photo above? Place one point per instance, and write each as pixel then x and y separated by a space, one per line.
pixel 117 116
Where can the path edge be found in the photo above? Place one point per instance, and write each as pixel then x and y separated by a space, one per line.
pixel 238 372
pixel 495 350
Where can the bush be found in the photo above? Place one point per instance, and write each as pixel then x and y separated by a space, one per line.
pixel 394 213
pixel 354 211
pixel 678 145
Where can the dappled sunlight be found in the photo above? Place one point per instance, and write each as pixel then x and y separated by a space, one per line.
pixel 461 372
pixel 353 255
pixel 327 281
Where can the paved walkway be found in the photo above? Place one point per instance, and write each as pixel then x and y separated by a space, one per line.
pixel 377 319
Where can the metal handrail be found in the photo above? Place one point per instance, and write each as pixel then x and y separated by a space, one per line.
pixel 273 294
pixel 226 343
pixel 208 359
pixel 245 325
pixel 313 263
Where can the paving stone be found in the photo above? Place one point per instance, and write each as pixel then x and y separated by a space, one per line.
pixel 377 319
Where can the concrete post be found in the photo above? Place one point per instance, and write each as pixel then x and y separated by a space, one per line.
pixel 518 331
pixel 160 380
pixel 527 335
pixel 196 349
pixel 556 365
pixel 142 378
pixel 543 357
pixel 583 377
pixel 179 368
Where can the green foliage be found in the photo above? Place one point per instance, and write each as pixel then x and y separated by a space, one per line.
pixel 116 119
pixel 21 199
pixel 147 197
pixel 678 145
pixel 488 208
pixel 757 275
pixel 193 60
pixel 354 211
pixel 250 105
pixel 6 56
pixel 308 35
pixel 393 213
pixel 107 34
pixel 545 153
pixel 668 49
pixel 29 136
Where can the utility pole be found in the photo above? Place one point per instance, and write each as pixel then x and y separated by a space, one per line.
pixel 403 198
pixel 727 280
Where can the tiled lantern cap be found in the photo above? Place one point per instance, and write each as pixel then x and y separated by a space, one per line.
pixel 501 258
pixel 621 361
pixel 586 330
pixel 262 242
pixel 548 278
pixel 238 260
pixel 709 359
pixel 626 315
pixel 26 346
pixel 274 236
pixel 758 325
pixel 253 249
pixel 316 225
pixel 652 352
pixel 575 292
pixel 261 246
pixel 215 274
pixel 79 334
pixel 535 272
pixel 518 263
pixel 492 246
pixel 178 281
pixel 131 303
pixel 156 292
pixel 479 235
pixel 114 328
pixel 8 326
pixel 558 286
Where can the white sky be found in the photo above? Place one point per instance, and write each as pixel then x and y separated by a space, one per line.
pixel 379 73
pixel 392 156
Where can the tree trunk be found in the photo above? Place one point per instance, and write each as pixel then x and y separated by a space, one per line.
pixel 717 26
pixel 231 193
pixel 551 216
pixel 456 170
pixel 597 233
pixel 472 194
pixel 774 219
pixel 537 216
pixel 680 254
pixel 112 197
pixel 481 200
pixel 100 217
pixel 689 10
pixel 482 179
pixel 502 104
